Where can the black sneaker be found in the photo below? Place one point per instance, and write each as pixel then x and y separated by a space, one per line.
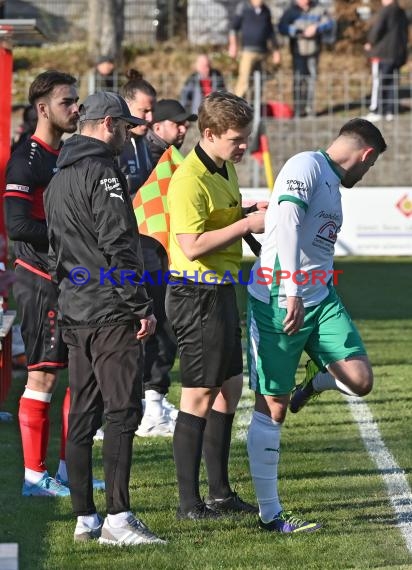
pixel 199 512
pixel 231 505
pixel 304 392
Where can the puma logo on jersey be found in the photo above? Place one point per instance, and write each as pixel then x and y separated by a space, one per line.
pixel 113 195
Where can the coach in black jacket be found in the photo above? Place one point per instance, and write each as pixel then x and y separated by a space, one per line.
pixel 96 259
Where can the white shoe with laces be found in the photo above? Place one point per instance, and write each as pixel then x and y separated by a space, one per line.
pixel 133 533
pixel 84 533
pixel 150 426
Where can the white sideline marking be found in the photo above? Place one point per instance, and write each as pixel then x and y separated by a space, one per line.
pixel 399 492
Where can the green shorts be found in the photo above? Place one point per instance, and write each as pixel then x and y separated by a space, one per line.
pixel 328 335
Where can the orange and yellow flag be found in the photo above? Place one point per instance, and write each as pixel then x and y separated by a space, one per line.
pixel 150 202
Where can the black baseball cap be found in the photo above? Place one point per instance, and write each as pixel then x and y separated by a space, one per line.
pixel 171 110
pixel 105 103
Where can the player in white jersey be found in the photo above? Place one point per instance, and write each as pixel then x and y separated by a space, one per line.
pixel 309 183
pixel 293 305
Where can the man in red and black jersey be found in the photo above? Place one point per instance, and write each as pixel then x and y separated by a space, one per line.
pixel 30 169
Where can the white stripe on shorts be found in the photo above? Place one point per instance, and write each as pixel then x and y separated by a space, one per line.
pixel 253 351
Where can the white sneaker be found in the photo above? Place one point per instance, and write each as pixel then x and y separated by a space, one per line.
pixel 84 533
pixel 134 532
pixel 373 117
pixel 99 435
pixel 156 427
pixel 169 409
pixel 389 117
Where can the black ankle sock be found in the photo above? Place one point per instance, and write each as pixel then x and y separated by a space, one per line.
pixel 216 447
pixel 187 450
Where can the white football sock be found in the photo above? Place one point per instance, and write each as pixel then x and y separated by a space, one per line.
pixel 154 407
pixel 36 395
pixel 91 521
pixel 263 446
pixel 118 520
pixel 33 477
pixel 325 381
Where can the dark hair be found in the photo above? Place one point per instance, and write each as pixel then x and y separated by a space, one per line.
pixel 105 59
pixel 44 84
pixel 136 83
pixel 365 132
pixel 221 111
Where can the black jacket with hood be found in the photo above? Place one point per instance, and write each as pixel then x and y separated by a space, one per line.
pixel 389 35
pixel 94 253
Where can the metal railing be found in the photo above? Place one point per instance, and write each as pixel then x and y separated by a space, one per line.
pixel 339 97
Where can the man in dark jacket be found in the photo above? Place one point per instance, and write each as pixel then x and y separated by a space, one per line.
pixel 135 159
pixel 200 83
pixel 253 22
pixel 104 310
pixel 306 23
pixel 169 126
pixel 388 47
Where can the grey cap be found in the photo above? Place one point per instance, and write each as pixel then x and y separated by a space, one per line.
pixel 107 104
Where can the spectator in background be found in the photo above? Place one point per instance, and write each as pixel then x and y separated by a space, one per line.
pixel 136 161
pixel 26 128
pixel 387 47
pixel 105 75
pixel 253 21
pixel 169 127
pixel 306 24
pixel 200 83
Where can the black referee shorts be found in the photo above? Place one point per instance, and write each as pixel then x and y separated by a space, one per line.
pixel 205 320
pixel 36 299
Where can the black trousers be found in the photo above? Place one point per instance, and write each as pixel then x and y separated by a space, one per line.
pixel 160 348
pixel 304 82
pixel 388 102
pixel 104 378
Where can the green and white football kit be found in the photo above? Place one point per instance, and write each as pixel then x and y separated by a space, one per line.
pixel 298 263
